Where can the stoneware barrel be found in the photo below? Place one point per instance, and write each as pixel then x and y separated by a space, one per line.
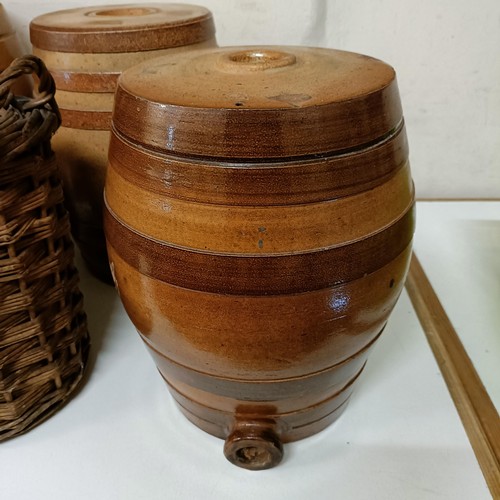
pixel 10 49
pixel 86 49
pixel 259 219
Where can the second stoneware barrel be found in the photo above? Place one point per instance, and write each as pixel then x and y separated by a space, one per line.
pixel 10 49
pixel 259 219
pixel 86 49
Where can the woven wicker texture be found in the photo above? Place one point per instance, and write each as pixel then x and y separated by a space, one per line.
pixel 43 330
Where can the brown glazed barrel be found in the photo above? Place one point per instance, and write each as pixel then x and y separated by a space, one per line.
pixel 259 219
pixel 86 49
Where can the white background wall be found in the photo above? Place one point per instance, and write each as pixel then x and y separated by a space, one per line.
pixel 446 54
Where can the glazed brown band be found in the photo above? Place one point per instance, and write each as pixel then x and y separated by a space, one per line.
pixel 125 40
pixel 87 120
pixel 267 398
pixel 299 424
pixel 258 275
pixel 85 82
pixel 272 388
pixel 275 133
pixel 256 184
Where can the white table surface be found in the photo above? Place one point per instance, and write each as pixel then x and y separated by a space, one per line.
pixel 458 244
pixel 122 437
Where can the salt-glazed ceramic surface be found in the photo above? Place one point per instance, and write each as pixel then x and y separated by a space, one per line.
pixel 259 219
pixel 86 49
pixel 10 49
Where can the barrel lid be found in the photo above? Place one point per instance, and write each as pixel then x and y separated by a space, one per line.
pixel 122 28
pixel 258 102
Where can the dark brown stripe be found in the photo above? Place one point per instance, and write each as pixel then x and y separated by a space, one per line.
pixel 478 414
pixel 258 133
pixel 244 395
pixel 217 423
pixel 268 389
pixel 258 275
pixel 85 82
pixel 88 120
pixel 95 40
pixel 308 181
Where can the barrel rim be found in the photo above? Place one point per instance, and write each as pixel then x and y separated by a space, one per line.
pixel 114 39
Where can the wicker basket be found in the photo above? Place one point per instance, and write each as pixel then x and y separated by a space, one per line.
pixel 43 330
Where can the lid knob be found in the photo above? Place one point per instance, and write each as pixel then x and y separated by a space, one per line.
pixel 255 60
pixel 123 12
